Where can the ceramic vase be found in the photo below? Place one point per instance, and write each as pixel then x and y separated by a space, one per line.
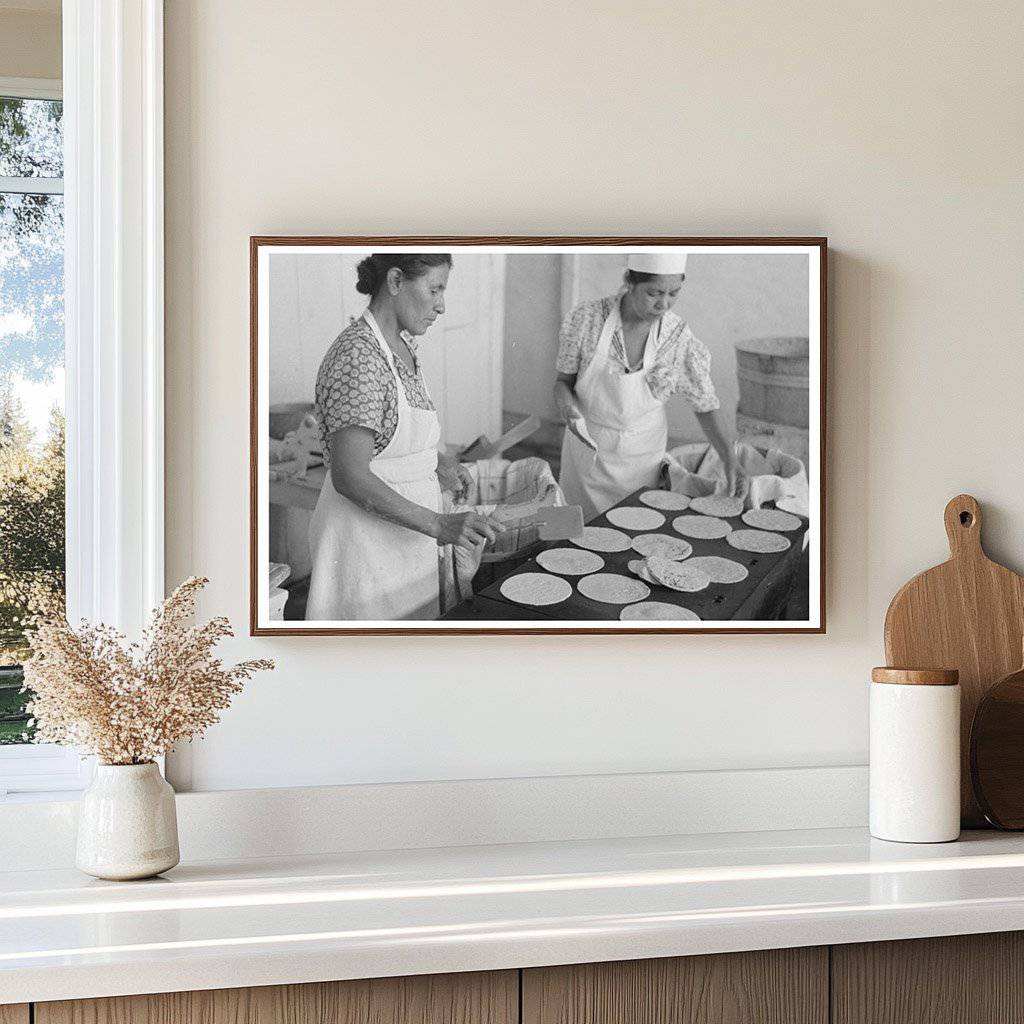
pixel 127 825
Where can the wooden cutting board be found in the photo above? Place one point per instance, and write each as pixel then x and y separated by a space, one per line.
pixel 967 614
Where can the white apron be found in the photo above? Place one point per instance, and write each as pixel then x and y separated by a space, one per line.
pixel 365 567
pixel 626 421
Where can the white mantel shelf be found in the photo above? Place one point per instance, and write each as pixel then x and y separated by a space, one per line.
pixel 268 921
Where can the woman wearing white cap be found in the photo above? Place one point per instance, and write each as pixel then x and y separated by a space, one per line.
pixel 620 359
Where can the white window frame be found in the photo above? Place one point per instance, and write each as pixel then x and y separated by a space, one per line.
pixel 114 328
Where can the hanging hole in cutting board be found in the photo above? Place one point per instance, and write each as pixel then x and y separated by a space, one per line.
pixel 966 519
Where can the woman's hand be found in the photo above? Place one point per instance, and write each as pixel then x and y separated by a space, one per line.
pixel 737 482
pixel 565 398
pixel 448 474
pixel 466 529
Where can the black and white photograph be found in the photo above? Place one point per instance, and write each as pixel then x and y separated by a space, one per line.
pixel 537 435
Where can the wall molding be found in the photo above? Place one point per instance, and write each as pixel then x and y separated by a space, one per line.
pixel 238 824
pixel 114 267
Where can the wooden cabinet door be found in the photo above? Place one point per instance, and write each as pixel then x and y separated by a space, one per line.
pixel 478 998
pixel 961 979
pixel 779 986
pixel 14 1013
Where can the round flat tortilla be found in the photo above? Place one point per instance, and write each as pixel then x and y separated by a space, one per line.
pixel 662 544
pixel 570 561
pixel 658 610
pixel 602 538
pixel 667 501
pixel 770 519
pixel 760 541
pixel 677 575
pixel 635 518
pixel 536 588
pixel 717 505
pixel 611 588
pixel 702 527
pixel 721 570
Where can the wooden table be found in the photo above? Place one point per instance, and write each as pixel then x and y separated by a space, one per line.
pixel 762 596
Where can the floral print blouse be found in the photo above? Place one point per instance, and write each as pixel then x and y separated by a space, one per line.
pixel 682 363
pixel 356 388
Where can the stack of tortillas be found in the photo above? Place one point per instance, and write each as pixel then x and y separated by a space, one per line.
pixel 676 575
pixel 661 544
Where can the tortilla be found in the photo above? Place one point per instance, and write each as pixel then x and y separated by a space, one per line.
pixel 634 518
pixel 677 575
pixel 658 610
pixel 639 567
pixel 667 501
pixel 702 527
pixel 536 588
pixel 760 541
pixel 791 503
pixel 721 570
pixel 570 561
pixel 602 538
pixel 771 519
pixel 662 544
pixel 717 505
pixel 611 588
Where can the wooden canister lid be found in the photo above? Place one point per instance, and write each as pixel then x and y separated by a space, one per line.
pixel 916 676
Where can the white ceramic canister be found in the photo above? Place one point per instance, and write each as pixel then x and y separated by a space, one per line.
pixel 915 755
pixel 127 824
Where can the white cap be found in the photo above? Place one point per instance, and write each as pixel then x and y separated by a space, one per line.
pixel 657 262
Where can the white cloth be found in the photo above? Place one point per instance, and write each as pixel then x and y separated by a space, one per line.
pixel 365 567
pixel 627 422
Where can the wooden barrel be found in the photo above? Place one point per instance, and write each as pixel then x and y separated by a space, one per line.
pixel 773 380
pixel 791 440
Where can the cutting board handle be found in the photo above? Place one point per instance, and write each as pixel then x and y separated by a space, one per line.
pixel 963 526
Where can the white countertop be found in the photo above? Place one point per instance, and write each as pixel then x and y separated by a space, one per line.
pixel 223 924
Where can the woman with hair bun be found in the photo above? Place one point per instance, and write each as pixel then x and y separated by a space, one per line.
pixel 377 530
pixel 620 358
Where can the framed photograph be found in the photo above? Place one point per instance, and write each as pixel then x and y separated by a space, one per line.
pixel 537 435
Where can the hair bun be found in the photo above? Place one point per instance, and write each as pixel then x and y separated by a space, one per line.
pixel 368 276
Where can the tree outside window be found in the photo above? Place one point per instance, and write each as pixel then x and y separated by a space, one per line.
pixel 31 385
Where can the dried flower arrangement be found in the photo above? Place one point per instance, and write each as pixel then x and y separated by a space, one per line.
pixel 130 703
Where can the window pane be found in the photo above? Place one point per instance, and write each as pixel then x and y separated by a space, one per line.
pixel 31 138
pixel 31 429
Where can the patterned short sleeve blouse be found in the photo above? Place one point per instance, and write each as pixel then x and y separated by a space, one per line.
pixel 356 388
pixel 682 363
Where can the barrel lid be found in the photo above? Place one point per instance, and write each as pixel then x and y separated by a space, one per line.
pixel 916 676
pixel 775 346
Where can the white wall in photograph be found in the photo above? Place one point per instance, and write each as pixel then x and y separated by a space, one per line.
pixel 880 125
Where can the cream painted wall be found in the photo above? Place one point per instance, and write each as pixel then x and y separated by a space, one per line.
pixel 30 41
pixel 895 129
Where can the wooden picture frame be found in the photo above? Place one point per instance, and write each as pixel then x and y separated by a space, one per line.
pixel 752 282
